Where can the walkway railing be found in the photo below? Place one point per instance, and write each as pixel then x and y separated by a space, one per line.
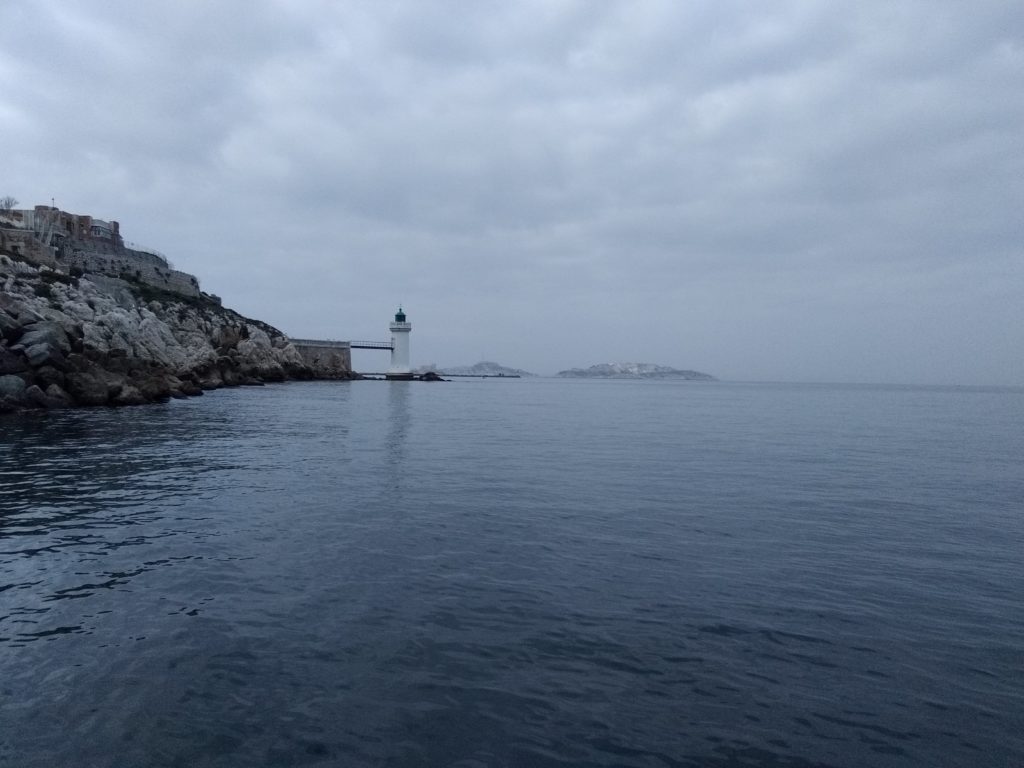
pixel 146 249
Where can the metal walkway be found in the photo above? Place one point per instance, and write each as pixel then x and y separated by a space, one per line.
pixel 343 344
pixel 371 345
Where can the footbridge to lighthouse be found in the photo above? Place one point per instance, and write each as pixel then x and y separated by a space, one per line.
pixel 333 359
pixel 371 345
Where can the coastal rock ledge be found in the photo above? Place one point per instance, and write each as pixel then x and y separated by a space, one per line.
pixel 91 340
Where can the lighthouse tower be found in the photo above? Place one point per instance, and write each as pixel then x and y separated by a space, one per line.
pixel 400 330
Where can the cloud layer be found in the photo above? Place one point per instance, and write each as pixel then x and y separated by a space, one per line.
pixel 764 191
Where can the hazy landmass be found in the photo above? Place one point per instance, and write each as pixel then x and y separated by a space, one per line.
pixel 484 368
pixel 633 371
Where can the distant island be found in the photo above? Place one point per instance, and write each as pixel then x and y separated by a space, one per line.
pixel 483 368
pixel 633 371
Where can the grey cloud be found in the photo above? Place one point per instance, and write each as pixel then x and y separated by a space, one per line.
pixel 713 185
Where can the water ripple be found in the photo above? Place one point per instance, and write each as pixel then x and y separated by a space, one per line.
pixel 537 573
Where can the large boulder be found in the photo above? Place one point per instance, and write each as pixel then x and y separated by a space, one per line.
pixel 210 378
pixel 11 362
pixel 230 376
pixel 154 385
pixel 14 306
pixel 47 375
pixel 58 397
pixel 78 310
pixel 190 388
pixel 155 342
pixel 24 312
pixel 48 333
pixel 226 337
pixel 45 353
pixel 130 395
pixel 10 328
pixel 87 388
pixel 12 387
pixel 258 357
pixel 79 362
pixel 53 397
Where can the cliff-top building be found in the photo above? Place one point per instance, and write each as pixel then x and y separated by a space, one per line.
pixel 54 238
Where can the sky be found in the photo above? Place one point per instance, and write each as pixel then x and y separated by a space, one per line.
pixel 784 191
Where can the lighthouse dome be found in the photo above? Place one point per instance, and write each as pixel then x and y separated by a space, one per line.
pixel 400 316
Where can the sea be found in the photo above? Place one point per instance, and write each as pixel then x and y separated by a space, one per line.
pixel 517 572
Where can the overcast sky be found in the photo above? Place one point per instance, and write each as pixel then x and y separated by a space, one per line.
pixel 815 191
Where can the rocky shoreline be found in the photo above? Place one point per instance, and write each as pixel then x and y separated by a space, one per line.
pixel 71 340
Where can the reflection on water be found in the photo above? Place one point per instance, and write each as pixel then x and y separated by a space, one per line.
pixel 539 573
pixel 399 417
pixel 79 492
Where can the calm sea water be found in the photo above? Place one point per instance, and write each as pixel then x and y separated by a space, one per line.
pixel 517 573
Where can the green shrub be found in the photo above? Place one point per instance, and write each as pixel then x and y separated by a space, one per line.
pixel 48 276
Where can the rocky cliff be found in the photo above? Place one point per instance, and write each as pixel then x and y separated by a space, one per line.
pixel 95 340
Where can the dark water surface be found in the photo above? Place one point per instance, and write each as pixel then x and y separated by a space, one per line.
pixel 517 573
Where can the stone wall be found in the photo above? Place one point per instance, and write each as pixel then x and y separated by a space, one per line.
pixel 139 265
pixel 22 242
pixel 91 245
pixel 328 361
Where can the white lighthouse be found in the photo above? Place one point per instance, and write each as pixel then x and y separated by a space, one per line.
pixel 400 330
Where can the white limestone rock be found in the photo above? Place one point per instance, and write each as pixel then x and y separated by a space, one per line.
pixel 92 342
